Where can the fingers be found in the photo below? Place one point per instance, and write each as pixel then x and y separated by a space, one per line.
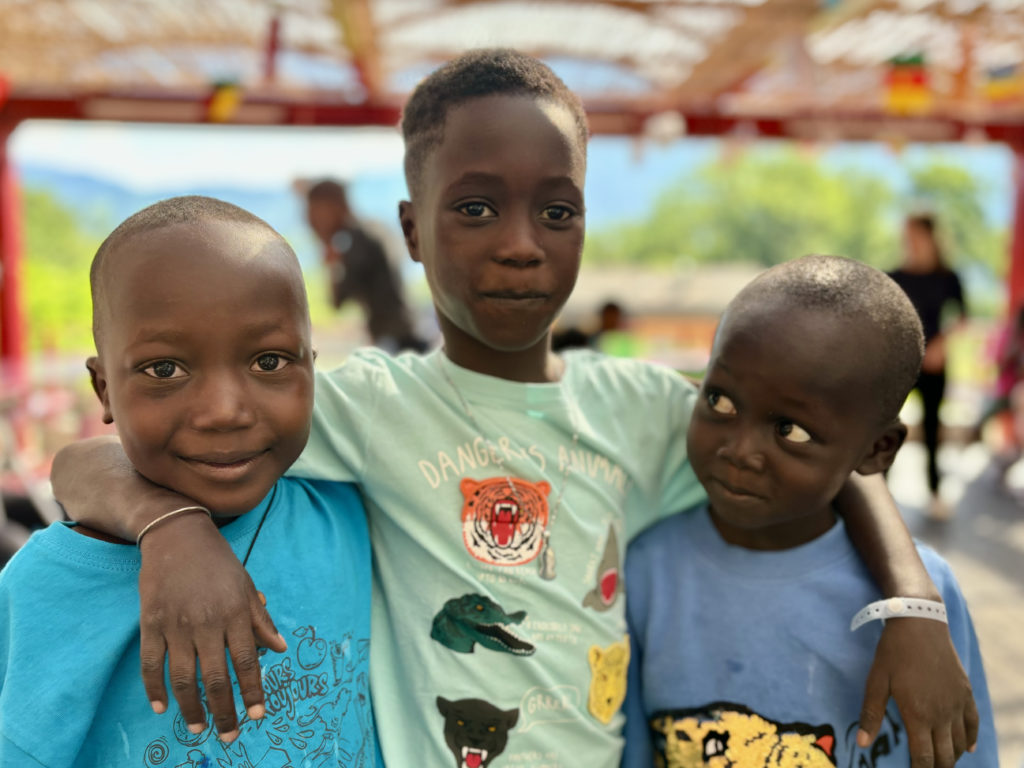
pixel 876 696
pixel 922 749
pixel 942 745
pixel 246 661
pixel 971 721
pixel 958 733
pixel 151 653
pixel 263 626
pixel 220 698
pixel 181 667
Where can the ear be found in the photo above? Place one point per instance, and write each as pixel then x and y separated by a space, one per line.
pixel 884 449
pixel 511 717
pixel 443 706
pixel 407 218
pixel 99 385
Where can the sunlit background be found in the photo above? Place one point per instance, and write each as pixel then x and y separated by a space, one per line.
pixel 729 135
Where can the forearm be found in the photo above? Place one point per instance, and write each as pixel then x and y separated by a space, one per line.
pixel 98 487
pixel 876 528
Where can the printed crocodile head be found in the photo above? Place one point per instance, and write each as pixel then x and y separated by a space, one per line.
pixel 470 619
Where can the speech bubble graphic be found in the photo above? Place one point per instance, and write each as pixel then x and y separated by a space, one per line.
pixel 543 706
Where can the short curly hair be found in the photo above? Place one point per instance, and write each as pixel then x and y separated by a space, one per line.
pixel 186 209
pixel 864 295
pixel 479 73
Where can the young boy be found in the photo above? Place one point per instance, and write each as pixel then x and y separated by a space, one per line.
pixel 502 481
pixel 739 613
pixel 204 364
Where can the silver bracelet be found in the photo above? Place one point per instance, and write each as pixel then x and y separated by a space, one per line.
pixel 900 608
pixel 167 516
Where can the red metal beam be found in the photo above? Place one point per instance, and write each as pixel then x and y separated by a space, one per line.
pixel 12 321
pixel 1016 275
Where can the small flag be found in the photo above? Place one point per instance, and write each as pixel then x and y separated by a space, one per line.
pixel 224 102
pixel 907 87
pixel 1003 84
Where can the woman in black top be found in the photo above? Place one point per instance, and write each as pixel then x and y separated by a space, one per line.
pixel 931 285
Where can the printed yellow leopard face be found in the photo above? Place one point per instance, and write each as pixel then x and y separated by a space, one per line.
pixel 731 736
pixel 608 667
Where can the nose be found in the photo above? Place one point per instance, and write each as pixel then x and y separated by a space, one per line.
pixel 221 403
pixel 520 242
pixel 743 449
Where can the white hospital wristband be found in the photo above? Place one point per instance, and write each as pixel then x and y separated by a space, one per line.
pixel 900 608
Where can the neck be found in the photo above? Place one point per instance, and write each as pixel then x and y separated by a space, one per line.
pixel 535 364
pixel 784 535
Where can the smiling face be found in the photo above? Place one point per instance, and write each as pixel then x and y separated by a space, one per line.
pixel 787 411
pixel 205 363
pixel 497 222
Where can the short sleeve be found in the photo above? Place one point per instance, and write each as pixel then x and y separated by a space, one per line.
pixel 676 483
pixel 343 414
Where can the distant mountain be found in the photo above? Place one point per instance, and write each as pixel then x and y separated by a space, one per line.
pixel 103 204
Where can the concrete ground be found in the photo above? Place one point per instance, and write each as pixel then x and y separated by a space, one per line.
pixel 984 543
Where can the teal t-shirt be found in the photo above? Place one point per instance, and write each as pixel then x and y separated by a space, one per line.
pixel 478 660
pixel 70 690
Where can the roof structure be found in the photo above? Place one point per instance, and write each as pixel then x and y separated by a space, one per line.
pixel 934 69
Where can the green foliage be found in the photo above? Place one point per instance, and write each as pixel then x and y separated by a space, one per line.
pixel 762 207
pixel 58 252
pixel 769 205
pixel 954 196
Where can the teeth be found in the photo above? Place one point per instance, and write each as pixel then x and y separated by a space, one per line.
pixel 465 751
pixel 483 755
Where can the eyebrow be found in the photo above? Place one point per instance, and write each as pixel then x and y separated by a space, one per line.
pixel 172 336
pixel 483 177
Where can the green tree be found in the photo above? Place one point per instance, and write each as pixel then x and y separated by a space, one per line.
pixel 763 206
pixel 954 195
pixel 58 252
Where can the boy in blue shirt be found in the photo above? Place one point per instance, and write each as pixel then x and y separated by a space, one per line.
pixel 741 655
pixel 204 364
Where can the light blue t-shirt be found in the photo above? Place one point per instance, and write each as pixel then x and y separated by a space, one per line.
pixel 478 660
pixel 70 690
pixel 747 656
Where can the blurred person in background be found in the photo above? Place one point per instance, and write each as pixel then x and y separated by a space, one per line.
pixel 359 268
pixel 932 286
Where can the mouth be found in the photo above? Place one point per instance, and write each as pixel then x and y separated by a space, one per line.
pixel 515 295
pixel 735 491
pixel 473 757
pixel 227 465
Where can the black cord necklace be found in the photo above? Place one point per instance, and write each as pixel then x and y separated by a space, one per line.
pixel 259 527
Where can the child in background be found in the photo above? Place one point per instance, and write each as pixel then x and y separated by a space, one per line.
pixel 739 612
pixel 502 481
pixel 205 366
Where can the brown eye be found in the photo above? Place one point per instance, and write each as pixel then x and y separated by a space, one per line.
pixel 477 210
pixel 557 213
pixel 164 369
pixel 721 404
pixel 269 362
pixel 793 432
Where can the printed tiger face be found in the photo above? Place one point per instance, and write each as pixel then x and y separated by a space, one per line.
pixel 503 525
pixel 608 670
pixel 731 736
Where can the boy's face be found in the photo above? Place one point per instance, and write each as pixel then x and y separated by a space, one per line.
pixel 205 363
pixel 326 217
pixel 498 220
pixel 786 413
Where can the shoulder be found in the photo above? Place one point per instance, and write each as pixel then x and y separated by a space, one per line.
pixel 667 534
pixel 336 496
pixel 588 369
pixel 373 367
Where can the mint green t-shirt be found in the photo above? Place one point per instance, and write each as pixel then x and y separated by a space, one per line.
pixel 471 484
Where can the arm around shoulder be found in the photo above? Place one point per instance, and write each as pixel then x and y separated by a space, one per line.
pixel 97 486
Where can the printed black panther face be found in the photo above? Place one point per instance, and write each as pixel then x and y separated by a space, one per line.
pixel 476 732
